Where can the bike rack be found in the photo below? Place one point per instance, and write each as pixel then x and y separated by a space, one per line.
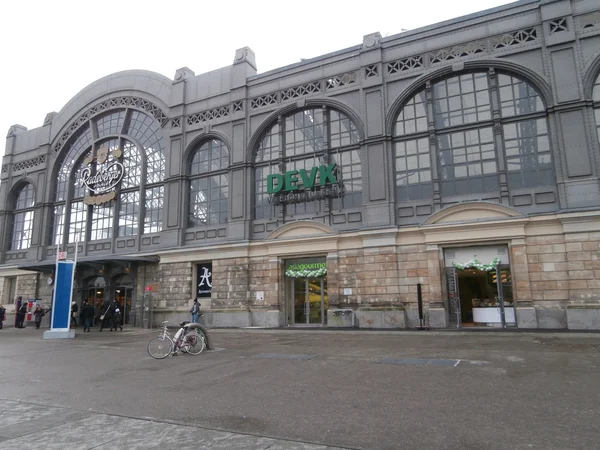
pixel 192 326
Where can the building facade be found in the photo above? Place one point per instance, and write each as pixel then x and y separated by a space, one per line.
pixel 454 166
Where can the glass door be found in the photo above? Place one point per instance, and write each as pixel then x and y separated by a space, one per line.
pixel 299 297
pixel 309 300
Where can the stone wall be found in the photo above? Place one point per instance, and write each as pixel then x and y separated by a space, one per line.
pixel 266 276
pixel 231 283
pixel 414 268
pixel 175 286
pixel 27 286
pixel 582 252
pixel 373 275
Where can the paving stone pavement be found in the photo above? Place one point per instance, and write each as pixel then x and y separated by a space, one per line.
pixel 33 426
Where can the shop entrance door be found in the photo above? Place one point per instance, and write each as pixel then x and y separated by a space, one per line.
pixel 309 301
pixel 123 295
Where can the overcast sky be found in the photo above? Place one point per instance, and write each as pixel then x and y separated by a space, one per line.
pixel 51 50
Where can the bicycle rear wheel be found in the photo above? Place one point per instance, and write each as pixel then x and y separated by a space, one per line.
pixel 195 342
pixel 160 347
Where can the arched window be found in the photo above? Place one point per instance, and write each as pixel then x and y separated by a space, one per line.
pixel 596 99
pixel 209 184
pixel 466 111
pixel 22 224
pixel 131 138
pixel 307 139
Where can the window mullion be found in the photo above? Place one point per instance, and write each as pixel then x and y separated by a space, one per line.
pixel 327 203
pixel 280 209
pixel 498 137
pixel 433 150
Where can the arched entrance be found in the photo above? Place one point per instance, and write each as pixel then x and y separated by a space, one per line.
pixel 123 294
pixel 94 291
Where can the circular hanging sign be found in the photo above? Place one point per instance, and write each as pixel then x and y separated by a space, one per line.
pixel 105 179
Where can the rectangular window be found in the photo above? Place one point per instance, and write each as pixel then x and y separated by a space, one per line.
pixel 461 100
pixel 309 207
pixel 262 208
pixel 58 225
pixel 209 201
pixel 129 210
pixel 21 232
pixel 413 170
pixel 468 162
pixel 154 210
pixel 304 132
pixel 77 224
pixel 528 156
pixel 102 222
pixel 413 118
pixel 269 146
pixel 350 176
pixel 341 130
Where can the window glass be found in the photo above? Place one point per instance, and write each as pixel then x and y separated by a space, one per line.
pixel 129 210
pixel 154 210
pixel 413 117
pixel 304 132
pixel 461 100
pixel 102 221
pixel 303 147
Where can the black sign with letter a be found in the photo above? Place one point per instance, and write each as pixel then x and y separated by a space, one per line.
pixel 204 280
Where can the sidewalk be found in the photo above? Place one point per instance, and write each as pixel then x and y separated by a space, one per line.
pixel 29 425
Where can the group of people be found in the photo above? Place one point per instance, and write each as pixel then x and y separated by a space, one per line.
pixel 108 315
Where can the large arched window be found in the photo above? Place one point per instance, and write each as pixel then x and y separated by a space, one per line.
pixel 477 121
pixel 209 184
pixel 303 140
pixel 131 138
pixel 22 223
pixel 596 99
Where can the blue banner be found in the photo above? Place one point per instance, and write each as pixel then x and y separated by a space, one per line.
pixel 63 287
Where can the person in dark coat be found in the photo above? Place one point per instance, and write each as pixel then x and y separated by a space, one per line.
pixel 106 316
pixel 2 314
pixel 21 316
pixel 87 316
pixel 74 314
pixel 116 316
pixel 38 313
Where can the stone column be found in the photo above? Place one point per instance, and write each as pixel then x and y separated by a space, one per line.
pixel 526 316
pixel 433 301
pixel 549 279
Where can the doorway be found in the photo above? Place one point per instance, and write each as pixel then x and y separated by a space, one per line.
pixel 306 286
pixel 123 295
pixel 475 297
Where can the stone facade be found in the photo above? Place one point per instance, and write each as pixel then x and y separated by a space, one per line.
pixel 380 112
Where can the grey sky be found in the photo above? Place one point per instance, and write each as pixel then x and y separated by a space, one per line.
pixel 52 50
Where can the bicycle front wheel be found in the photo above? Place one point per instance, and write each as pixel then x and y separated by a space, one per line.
pixel 160 347
pixel 195 342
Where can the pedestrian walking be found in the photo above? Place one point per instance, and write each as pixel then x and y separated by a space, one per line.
pixel 88 312
pixel 38 313
pixel 116 317
pixel 2 315
pixel 106 316
pixel 21 316
pixel 74 314
pixel 195 311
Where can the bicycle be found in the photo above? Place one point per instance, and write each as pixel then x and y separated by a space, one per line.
pixel 188 341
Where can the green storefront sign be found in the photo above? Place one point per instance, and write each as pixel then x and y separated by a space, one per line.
pixel 302 179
